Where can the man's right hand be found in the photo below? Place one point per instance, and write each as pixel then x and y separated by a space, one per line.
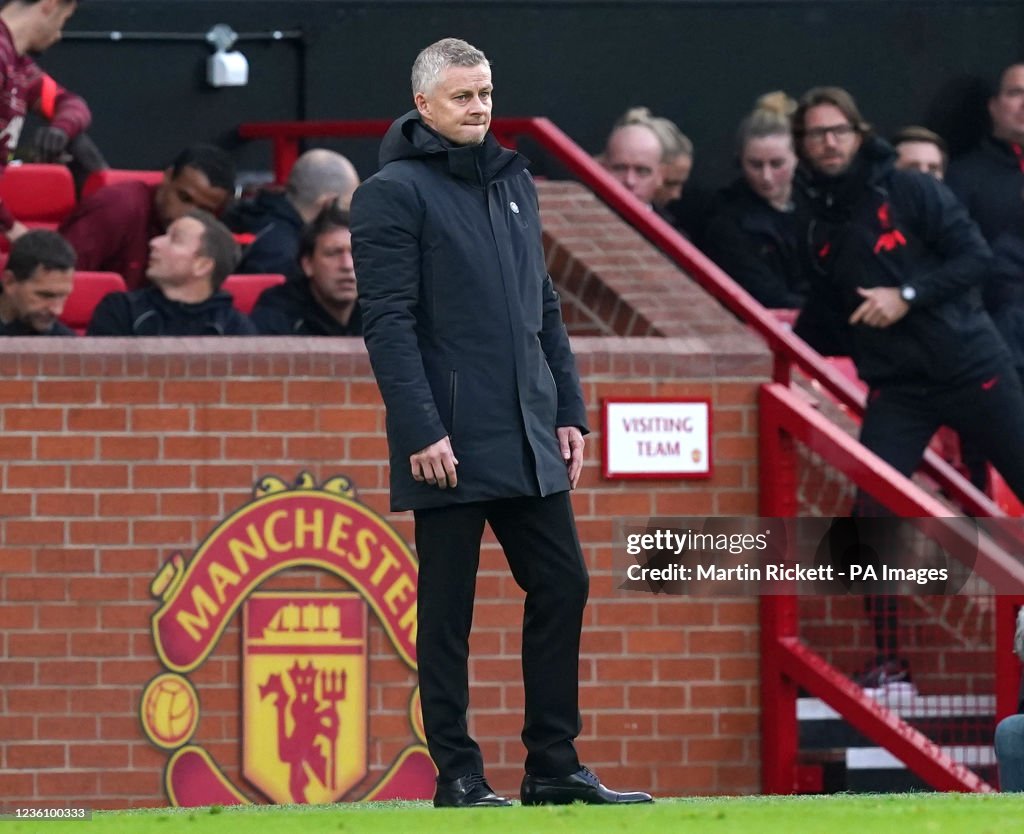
pixel 436 464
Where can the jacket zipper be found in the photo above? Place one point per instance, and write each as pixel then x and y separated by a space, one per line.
pixel 452 384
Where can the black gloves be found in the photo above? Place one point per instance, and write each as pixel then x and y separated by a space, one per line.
pixel 50 143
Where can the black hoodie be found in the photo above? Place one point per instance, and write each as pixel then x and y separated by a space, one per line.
pixel 876 226
pixel 148 312
pixel 461 320
pixel 291 309
pixel 278 229
pixel 990 182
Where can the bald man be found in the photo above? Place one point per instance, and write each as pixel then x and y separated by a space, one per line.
pixel 318 178
pixel 634 156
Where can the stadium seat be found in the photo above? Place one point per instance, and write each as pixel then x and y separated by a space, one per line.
pixel 247 288
pixel 110 176
pixel 88 290
pixel 38 195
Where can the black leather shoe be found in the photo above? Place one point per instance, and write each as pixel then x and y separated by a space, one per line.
pixel 581 786
pixel 470 791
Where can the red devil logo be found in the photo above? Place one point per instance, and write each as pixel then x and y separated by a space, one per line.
pixel 890 237
pixel 312 719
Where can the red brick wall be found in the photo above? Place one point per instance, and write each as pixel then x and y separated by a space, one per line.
pixel 115 454
pixel 614 283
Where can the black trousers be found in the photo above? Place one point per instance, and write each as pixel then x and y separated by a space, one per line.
pixel 543 551
pixel 901 419
pixel 898 425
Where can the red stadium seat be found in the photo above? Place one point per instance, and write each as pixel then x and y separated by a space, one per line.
pixel 37 194
pixel 88 290
pixel 110 176
pixel 247 288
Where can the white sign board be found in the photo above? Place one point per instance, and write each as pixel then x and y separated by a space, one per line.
pixel 657 438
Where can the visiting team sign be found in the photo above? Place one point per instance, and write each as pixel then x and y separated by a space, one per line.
pixel 657 438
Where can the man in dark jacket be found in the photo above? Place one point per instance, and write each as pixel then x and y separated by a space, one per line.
pixel 36 281
pixel 276 218
pixel 187 266
pixel 898 264
pixel 990 182
pixel 322 300
pixel 485 415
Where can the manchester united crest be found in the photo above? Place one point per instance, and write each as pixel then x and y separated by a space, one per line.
pixel 305 717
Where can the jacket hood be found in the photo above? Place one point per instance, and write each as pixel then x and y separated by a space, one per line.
pixel 873 160
pixel 218 303
pixel 409 138
pixel 265 208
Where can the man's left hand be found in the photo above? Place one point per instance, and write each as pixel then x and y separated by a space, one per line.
pixel 881 307
pixel 570 439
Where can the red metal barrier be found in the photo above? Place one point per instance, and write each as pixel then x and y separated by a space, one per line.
pixel 786 663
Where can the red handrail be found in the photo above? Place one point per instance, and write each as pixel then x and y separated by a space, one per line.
pixel 787 349
pixel 786 663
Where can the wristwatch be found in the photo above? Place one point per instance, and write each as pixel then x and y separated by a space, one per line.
pixel 908 293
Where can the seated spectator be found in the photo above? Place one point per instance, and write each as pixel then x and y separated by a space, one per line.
pixel 634 156
pixel 187 266
pixel 677 153
pixel 319 177
pixel 754 233
pixel 323 301
pixel 111 229
pixel 1009 739
pixel 28 27
pixel 36 282
pixel 920 149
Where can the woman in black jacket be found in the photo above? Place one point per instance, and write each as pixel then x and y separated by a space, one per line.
pixel 753 234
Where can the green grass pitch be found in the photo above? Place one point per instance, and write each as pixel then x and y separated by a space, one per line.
pixel 922 813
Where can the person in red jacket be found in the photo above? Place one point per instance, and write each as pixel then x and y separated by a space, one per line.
pixel 28 27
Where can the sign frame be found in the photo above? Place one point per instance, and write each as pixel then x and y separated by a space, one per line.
pixel 607 405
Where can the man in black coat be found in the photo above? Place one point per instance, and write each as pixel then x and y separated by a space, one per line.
pixel 276 218
pixel 485 415
pixel 321 300
pixel 990 182
pixel 187 266
pixel 897 263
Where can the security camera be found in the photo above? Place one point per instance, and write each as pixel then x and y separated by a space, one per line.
pixel 227 69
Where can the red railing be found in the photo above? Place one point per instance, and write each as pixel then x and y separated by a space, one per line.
pixel 785 419
pixel 786 663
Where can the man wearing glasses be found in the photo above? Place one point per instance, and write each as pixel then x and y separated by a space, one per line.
pixel 896 266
